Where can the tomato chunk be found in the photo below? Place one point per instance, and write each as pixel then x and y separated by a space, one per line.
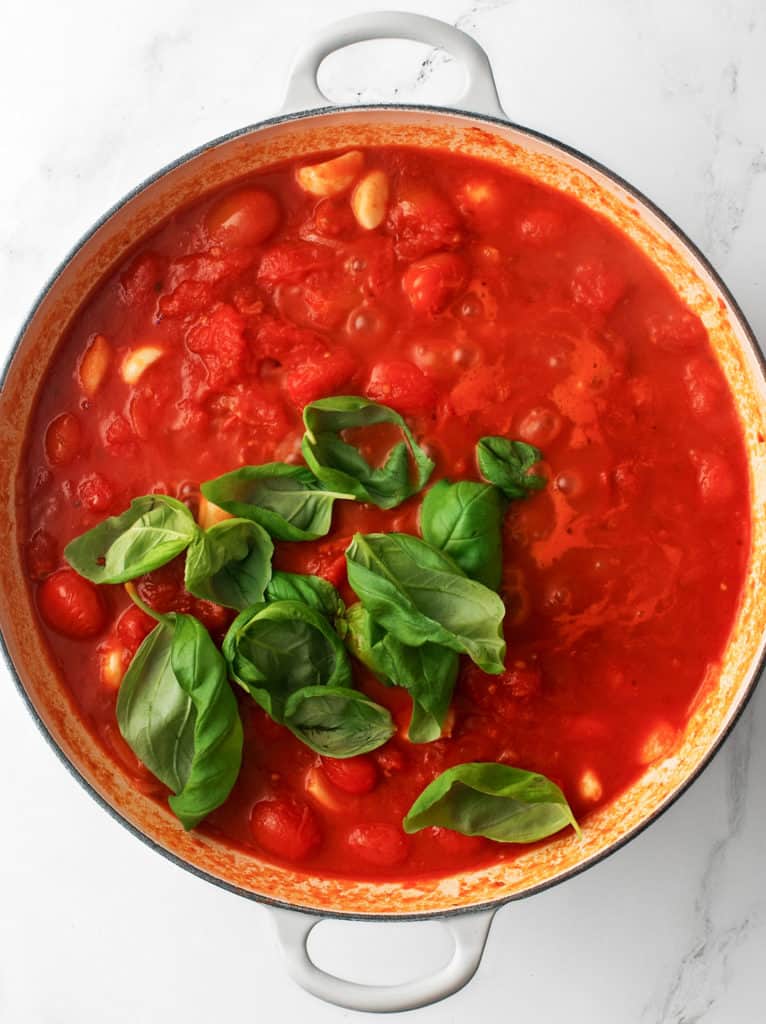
pixel 71 605
pixel 355 775
pixel 290 262
pixel 245 217
pixel 379 844
pixel 219 340
pixel 431 283
pixel 285 828
pixel 422 221
pixel 403 386
pixel 677 331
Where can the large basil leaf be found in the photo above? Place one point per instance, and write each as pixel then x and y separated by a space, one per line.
pixel 340 466
pixel 179 716
pixel 150 533
pixel 506 804
pixel 465 520
pixel 278 648
pixel 336 721
pixel 288 501
pixel 230 563
pixel 507 465
pixel 428 673
pixel 314 591
pixel 420 595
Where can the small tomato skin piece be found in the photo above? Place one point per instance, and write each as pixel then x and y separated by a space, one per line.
pixel 71 605
pixel 245 217
pixel 355 775
pixel 285 828
pixel 431 283
pixel 379 844
pixel 403 386
pixel 63 439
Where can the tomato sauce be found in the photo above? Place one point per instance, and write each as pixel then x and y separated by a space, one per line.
pixel 474 302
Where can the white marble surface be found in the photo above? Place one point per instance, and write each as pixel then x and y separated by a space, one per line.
pixel 96 928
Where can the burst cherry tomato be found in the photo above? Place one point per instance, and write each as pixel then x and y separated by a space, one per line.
pixel 431 283
pixel 286 828
pixel 71 605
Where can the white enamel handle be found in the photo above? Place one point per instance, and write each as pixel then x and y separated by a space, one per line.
pixel 469 933
pixel 479 96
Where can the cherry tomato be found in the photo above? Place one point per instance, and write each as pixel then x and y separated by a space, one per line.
pixel 455 843
pixel 597 286
pixel 63 439
pixel 355 775
pixel 379 844
pixel 71 605
pixel 133 626
pixel 432 283
pixel 286 828
pixel 245 217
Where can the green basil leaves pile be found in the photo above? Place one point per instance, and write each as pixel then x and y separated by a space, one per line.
pixel 422 602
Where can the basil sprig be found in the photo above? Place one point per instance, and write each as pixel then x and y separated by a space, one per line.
pixel 506 804
pixel 314 591
pixel 428 673
pixel 337 721
pixel 465 520
pixel 179 716
pixel 150 533
pixel 420 595
pixel 275 649
pixel 230 563
pixel 287 501
pixel 340 466
pixel 507 465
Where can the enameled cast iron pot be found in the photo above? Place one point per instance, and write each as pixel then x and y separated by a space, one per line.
pixel 465 902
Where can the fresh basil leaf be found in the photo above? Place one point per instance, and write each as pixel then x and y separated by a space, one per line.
pixel 428 673
pixel 314 591
pixel 179 716
pixel 278 648
pixel 341 467
pixel 465 520
pixel 506 804
pixel 230 563
pixel 150 533
pixel 420 595
pixel 507 465
pixel 336 721
pixel 288 501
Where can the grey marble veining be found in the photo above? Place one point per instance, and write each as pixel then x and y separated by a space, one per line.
pixel 672 929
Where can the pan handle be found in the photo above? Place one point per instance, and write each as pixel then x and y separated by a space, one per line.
pixel 469 933
pixel 479 96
